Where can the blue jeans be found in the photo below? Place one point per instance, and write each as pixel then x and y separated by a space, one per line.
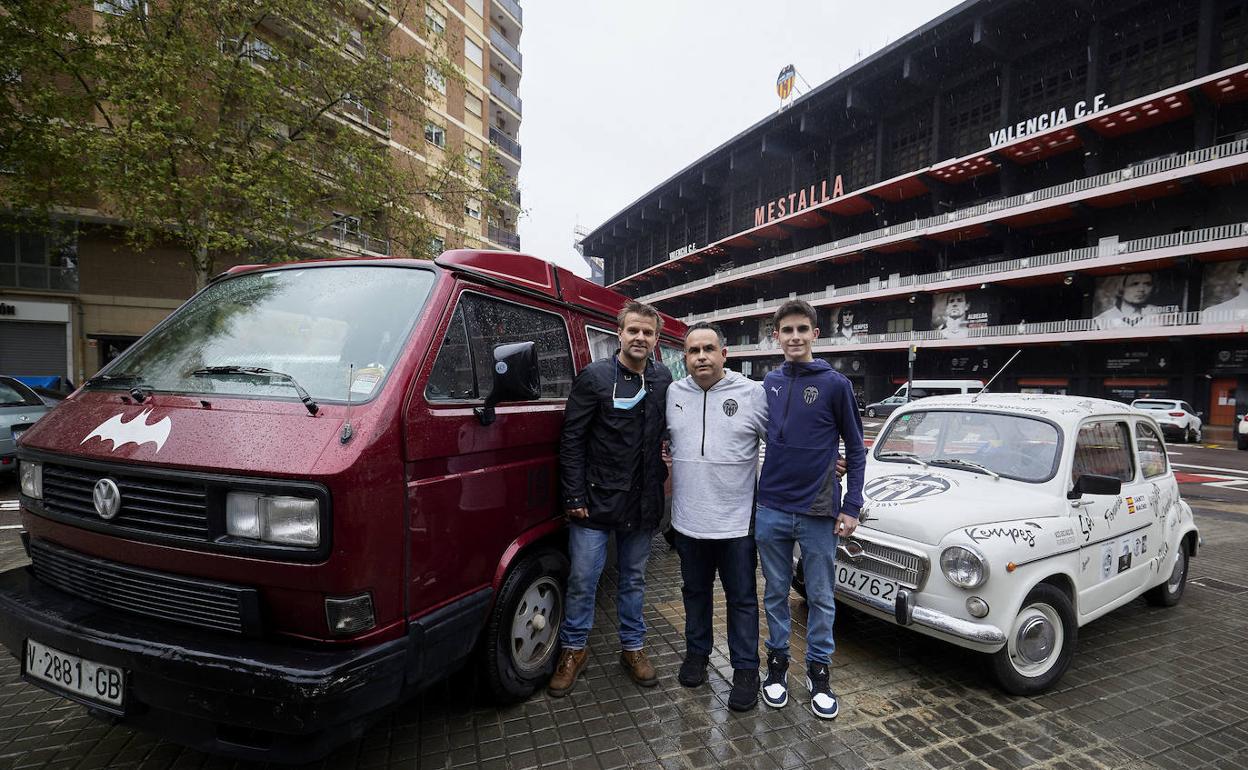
pixel 776 532
pixel 735 560
pixel 588 551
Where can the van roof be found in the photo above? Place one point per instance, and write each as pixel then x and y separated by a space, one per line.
pixel 520 272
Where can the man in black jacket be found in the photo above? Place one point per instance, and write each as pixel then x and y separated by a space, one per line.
pixel 612 474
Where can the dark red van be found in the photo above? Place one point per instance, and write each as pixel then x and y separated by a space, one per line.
pixel 311 491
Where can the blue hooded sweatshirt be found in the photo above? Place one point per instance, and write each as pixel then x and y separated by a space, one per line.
pixel 811 409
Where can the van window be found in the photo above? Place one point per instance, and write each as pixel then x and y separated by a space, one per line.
pixel 1151 450
pixel 602 343
pixel 482 323
pixel 1104 449
pixel 675 360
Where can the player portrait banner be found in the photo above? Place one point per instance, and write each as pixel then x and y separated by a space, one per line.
pixel 1134 299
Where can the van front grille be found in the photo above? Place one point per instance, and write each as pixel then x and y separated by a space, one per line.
pixel 172 598
pixel 909 569
pixel 161 506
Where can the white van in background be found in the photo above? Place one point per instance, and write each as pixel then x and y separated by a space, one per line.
pixel 925 388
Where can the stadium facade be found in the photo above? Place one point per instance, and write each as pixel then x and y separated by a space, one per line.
pixel 1064 178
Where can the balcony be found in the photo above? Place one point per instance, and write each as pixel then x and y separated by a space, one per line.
pixel 1134 176
pixel 509 51
pixel 504 142
pixel 374 119
pixel 513 9
pixel 350 239
pixel 504 95
pixel 1220 238
pixel 504 237
pixel 1185 323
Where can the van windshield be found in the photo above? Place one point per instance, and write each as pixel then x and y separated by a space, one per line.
pixel 312 323
pixel 1009 445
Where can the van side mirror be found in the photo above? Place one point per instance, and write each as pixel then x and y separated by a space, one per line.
pixel 516 378
pixel 1094 484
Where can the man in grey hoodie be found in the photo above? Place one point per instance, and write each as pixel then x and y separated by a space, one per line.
pixel 716 419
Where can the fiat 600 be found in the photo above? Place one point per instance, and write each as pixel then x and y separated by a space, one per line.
pixel 1004 522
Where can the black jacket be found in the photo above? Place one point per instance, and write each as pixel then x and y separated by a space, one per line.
pixel 594 443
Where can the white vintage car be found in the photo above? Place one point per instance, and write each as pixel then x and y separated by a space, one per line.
pixel 1004 522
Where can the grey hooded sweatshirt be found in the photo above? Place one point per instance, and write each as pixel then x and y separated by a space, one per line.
pixel 715 436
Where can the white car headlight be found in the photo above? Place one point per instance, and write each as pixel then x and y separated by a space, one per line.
pixel 278 519
pixel 31 479
pixel 963 566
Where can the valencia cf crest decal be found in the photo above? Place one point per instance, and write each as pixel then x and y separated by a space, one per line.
pixel 905 487
pixel 810 394
pixel 730 407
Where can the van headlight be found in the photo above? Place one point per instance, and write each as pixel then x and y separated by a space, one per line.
pixel 278 519
pixel 964 567
pixel 31 478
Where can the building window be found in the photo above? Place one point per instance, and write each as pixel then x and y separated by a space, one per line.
pixel 473 52
pixel 120 7
pixel 472 104
pixel 1147 52
pixel 472 207
pixel 473 156
pixel 434 79
pixel 437 244
pixel 435 134
pixel 896 325
pixel 858 159
pixel 476 5
pixel 970 113
pixel 909 141
pixel 435 22
pixel 39 260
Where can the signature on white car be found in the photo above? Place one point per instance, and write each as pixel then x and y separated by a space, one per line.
pixel 1002 523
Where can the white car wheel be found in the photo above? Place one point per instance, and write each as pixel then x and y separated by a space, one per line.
pixel 1039 644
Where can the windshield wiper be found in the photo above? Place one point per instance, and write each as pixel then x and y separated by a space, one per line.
pixel 260 371
pixel 911 456
pixel 140 390
pixel 965 464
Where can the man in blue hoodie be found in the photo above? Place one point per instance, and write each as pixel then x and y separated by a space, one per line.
pixel 812 410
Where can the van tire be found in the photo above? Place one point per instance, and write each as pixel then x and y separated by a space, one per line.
pixel 519 658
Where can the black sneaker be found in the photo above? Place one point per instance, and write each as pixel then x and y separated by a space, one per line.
pixel 822 700
pixel 744 694
pixel 692 671
pixel 776 686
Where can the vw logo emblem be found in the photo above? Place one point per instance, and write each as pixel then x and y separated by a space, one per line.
pixel 107 498
pixel 853 548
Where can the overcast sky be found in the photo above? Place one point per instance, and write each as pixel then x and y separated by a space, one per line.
pixel 619 96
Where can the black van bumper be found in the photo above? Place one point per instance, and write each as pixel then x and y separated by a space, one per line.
pixel 243 698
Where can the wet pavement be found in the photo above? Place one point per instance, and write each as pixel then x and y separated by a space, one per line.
pixel 1148 688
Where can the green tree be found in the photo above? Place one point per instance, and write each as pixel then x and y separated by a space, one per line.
pixel 252 128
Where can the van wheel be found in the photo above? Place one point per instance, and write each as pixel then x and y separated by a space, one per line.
pixel 1170 592
pixel 523 632
pixel 1039 644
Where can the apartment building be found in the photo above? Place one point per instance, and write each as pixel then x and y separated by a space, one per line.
pixel 71 301
pixel 1065 179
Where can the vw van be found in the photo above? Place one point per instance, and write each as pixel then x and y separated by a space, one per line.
pixel 311 491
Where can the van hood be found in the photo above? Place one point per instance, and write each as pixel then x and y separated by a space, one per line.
pixel 925 505
pixel 248 436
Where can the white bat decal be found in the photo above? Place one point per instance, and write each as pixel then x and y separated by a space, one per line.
pixel 136 431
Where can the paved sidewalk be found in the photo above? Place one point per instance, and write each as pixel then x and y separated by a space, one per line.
pixel 1149 688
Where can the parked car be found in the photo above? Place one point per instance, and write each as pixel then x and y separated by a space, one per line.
pixel 49 397
pixel 1005 523
pixel 886 407
pixel 20 408
pixel 1178 420
pixel 310 492
pixel 1241 432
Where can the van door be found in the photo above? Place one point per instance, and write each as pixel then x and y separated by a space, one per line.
pixel 1160 491
pixel 472 489
pixel 1113 526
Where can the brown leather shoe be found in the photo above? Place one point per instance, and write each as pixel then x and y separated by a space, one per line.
pixel 639 667
pixel 571 664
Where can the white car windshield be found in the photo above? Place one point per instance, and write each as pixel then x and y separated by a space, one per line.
pixel 992 443
pixel 1159 405
pixel 316 324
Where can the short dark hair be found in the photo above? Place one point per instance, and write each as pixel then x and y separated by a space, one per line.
pixel 794 307
pixel 708 326
pixel 642 309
